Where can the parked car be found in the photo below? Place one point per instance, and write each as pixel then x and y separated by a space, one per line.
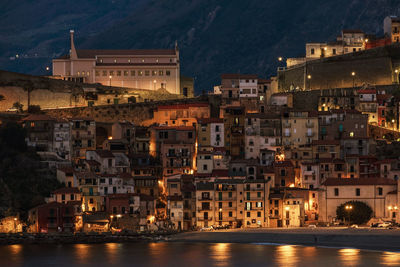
pixel 210 228
pixel 12 110
pixel 354 226
pixel 384 224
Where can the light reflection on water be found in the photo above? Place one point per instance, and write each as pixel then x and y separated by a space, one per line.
pixel 286 255
pixel 190 255
pixel 391 259
pixel 349 256
pixel 221 254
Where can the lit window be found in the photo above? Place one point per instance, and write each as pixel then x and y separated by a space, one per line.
pixel 115 61
pixel 126 73
pixel 111 73
pixel 87 73
pixel 161 73
pixel 157 60
pixel 143 60
pixel 97 73
pixel 351 134
pixel 129 61
pixel 140 73
pixel 154 72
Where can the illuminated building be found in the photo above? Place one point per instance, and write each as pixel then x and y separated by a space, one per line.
pixel 142 69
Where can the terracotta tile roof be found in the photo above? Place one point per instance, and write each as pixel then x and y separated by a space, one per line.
pixel 136 64
pixel 67 190
pixel 177 128
pixel 183 106
pixel 104 153
pixel 210 120
pixel 367 91
pixel 85 175
pixel 92 162
pixel 220 173
pixel 39 117
pixel 285 163
pixel 92 53
pixel 358 181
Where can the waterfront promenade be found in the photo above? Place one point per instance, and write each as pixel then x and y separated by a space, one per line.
pixel 363 238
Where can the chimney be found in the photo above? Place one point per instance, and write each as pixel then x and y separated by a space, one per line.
pixel 72 52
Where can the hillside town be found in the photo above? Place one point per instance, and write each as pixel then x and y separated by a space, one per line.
pixel 256 152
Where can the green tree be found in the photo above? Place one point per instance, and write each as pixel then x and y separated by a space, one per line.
pixel 24 180
pixel 18 106
pixel 359 213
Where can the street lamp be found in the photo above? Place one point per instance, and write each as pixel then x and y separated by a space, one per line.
pixel 393 124
pixel 110 79
pixel 280 58
pixel 353 74
pixel 309 81
pixel 348 209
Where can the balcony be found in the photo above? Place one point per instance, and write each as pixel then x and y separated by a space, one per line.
pixel 226 198
pixel 286 125
pixel 204 219
pixel 204 209
pixel 254 198
pixel 254 189
pixel 309 124
pixel 205 198
pixel 309 134
pixel 309 172
pixel 82 136
pixel 288 134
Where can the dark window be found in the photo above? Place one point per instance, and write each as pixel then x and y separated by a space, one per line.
pixel 357 191
pixel 336 191
pixel 380 191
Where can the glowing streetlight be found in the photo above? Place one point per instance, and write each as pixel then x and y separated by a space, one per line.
pixel 287 208
pixel 47 68
pixel 353 74
pixel 309 81
pixel 110 79
pixel 280 58
pixel 349 208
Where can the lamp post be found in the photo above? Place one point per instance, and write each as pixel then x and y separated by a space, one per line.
pixel 353 74
pixel 15 225
pixel 397 75
pixel 393 124
pixel 110 79
pixel 348 209
pixel 309 81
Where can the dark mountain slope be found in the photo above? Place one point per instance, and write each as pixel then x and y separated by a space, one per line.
pixel 214 36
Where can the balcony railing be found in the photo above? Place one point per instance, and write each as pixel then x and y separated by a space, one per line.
pixel 205 198
pixel 204 219
pixel 204 209
pixel 286 124
pixel 309 124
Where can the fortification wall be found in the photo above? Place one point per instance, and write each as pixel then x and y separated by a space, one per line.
pixel 374 67
pixel 135 112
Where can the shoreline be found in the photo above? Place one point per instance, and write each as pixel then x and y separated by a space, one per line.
pixel 366 239
pixel 339 238
pixel 82 238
